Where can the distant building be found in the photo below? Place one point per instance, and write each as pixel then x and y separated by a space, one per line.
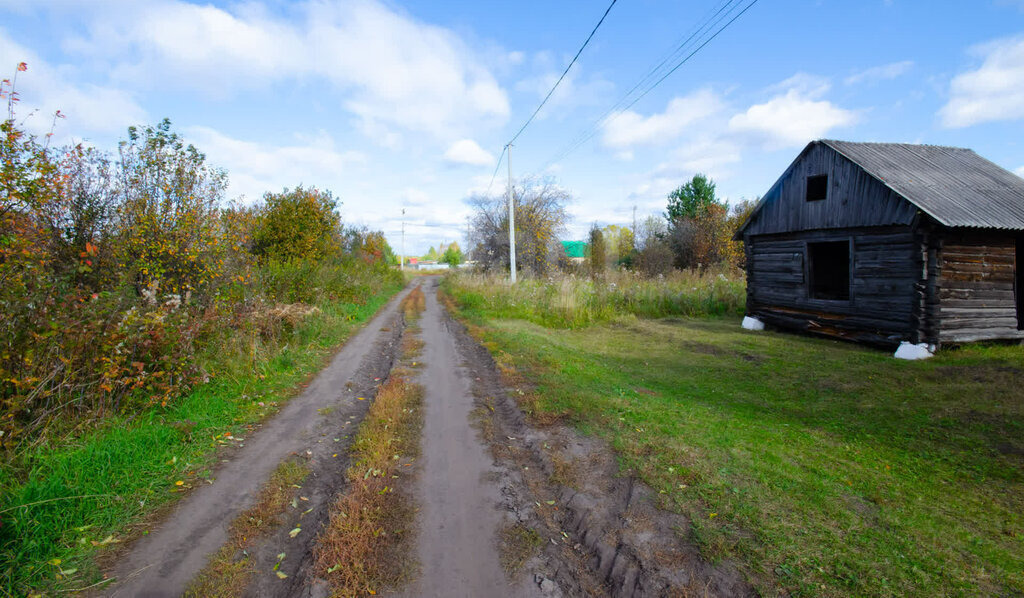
pixel 889 242
pixel 576 251
pixel 431 265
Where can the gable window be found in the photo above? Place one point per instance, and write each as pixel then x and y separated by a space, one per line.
pixel 817 187
pixel 828 269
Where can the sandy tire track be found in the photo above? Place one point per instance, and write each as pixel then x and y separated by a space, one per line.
pixel 459 499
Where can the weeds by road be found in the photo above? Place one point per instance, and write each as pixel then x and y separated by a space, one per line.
pixel 824 468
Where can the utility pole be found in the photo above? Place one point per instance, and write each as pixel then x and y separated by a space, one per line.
pixel 401 265
pixel 511 220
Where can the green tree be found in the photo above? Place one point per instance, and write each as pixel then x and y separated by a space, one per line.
pixel 618 243
pixel 431 255
pixel 452 255
pixel 302 224
pixel 692 199
pixel 596 252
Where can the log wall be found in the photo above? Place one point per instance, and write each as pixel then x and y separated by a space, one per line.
pixel 887 267
pixel 977 296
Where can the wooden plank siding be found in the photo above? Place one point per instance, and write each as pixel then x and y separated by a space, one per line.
pixel 886 267
pixel 855 198
pixel 977 288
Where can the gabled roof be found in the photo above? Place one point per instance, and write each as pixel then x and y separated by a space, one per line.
pixel 953 185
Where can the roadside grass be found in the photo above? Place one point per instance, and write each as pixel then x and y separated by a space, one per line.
pixel 821 468
pixel 67 501
pixel 365 545
pixel 571 302
pixel 230 570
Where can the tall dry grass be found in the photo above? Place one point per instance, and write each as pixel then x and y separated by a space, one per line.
pixel 570 301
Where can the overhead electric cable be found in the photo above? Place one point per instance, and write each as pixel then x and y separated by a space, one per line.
pixel 653 72
pixel 564 73
pixel 496 167
pixel 589 132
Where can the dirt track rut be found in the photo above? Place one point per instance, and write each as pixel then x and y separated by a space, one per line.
pixel 460 502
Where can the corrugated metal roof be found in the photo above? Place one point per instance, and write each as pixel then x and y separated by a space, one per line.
pixel 575 248
pixel 954 185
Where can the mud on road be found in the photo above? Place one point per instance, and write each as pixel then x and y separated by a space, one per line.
pixel 505 507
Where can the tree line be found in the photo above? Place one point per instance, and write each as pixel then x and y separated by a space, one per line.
pixel 695 232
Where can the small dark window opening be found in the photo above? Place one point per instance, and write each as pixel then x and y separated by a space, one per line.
pixel 817 187
pixel 1018 286
pixel 829 270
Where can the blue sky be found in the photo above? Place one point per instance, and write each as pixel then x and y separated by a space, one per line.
pixel 407 105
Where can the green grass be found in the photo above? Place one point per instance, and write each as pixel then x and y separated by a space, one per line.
pixel 70 500
pixel 822 468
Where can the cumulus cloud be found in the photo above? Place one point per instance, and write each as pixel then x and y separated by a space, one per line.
pixel 793 117
pixel 627 129
pixel 47 88
pixel 884 72
pixel 994 91
pixel 467 151
pixel 386 66
pixel 1019 172
pixel 255 168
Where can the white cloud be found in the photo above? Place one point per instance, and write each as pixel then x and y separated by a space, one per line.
pixel 992 92
pixel 255 168
pixel 467 151
pixel 43 87
pixel 386 66
pixel 627 129
pixel 884 72
pixel 573 92
pixel 793 117
pixel 1019 172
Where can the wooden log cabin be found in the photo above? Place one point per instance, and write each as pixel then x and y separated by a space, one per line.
pixel 888 242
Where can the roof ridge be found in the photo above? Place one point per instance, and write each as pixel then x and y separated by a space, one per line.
pixel 900 143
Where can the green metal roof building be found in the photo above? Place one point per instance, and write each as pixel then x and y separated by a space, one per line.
pixel 575 249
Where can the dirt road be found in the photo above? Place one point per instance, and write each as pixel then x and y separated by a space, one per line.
pixel 504 507
pixel 458 492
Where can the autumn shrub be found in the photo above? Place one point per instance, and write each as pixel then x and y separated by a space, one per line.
pixel 125 278
pixel 296 225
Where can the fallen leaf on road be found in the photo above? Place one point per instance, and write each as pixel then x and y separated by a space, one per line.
pixel 281 575
pixel 295 532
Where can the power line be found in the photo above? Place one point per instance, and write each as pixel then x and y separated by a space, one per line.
pixel 496 167
pixel 707 19
pixel 589 132
pixel 564 73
